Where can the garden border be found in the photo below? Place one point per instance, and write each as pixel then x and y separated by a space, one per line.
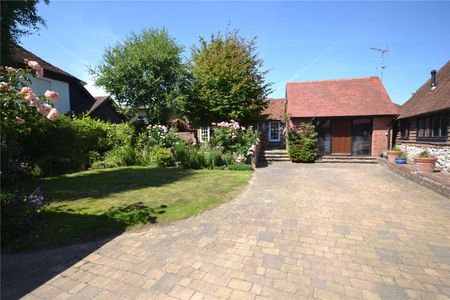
pixel 423 179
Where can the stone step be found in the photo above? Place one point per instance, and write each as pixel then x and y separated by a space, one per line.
pixel 273 155
pixel 344 157
pixel 274 152
pixel 274 159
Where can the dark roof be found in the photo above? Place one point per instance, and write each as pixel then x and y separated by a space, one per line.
pixel 99 100
pixel 427 100
pixel 19 54
pixel 275 109
pixel 340 97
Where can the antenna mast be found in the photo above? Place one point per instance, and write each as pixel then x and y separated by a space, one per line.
pixel 382 52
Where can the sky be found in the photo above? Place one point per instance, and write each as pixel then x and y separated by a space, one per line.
pixel 297 41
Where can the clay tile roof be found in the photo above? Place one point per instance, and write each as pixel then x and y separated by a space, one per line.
pixel 341 97
pixel 19 54
pixel 99 100
pixel 427 100
pixel 275 109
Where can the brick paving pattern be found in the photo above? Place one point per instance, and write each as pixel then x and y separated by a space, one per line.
pixel 315 231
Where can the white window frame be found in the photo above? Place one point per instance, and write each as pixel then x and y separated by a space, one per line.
pixel 207 132
pixel 270 131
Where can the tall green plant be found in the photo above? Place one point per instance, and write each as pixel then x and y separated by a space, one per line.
pixel 302 142
pixel 227 81
pixel 145 71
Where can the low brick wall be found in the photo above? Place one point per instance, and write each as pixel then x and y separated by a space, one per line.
pixel 253 153
pixel 431 181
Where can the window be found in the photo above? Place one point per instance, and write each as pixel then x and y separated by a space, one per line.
pixel 432 127
pixel 274 131
pixel 404 129
pixel 205 134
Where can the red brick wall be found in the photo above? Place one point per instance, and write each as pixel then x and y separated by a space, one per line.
pixel 379 135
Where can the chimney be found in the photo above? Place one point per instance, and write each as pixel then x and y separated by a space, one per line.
pixel 433 79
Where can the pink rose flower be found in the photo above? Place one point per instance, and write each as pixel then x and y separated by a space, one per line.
pixel 53 114
pixel 11 70
pixel 44 109
pixel 32 99
pixel 35 66
pixel 5 86
pixel 25 90
pixel 52 96
pixel 20 121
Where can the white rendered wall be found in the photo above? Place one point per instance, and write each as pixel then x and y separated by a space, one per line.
pixel 40 85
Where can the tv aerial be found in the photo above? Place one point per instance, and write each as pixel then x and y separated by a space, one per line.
pixel 382 52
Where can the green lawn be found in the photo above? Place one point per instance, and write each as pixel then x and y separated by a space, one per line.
pixel 101 203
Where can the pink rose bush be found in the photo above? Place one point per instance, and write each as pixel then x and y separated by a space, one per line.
pixel 18 100
pixel 233 138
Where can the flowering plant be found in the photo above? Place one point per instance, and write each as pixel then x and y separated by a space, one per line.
pixel 19 102
pixel 20 111
pixel 233 137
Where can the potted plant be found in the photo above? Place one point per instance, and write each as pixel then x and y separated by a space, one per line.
pixel 401 160
pixel 393 154
pixel 424 162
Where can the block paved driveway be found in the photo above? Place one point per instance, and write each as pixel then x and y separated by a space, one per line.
pixel 325 231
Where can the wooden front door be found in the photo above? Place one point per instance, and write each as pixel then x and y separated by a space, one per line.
pixel 341 141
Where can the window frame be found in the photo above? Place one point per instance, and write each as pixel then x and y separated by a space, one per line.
pixel 426 127
pixel 206 130
pixel 404 129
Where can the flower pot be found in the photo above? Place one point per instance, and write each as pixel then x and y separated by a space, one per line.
pixel 425 164
pixel 400 161
pixel 392 155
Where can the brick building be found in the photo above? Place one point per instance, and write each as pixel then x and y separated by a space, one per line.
pixel 354 115
pixel 423 123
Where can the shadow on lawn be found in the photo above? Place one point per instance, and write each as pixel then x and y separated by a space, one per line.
pixel 23 272
pixel 97 184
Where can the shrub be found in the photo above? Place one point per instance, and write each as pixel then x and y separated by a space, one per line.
pixel 19 213
pixel 117 157
pixel 396 148
pixel 232 137
pixel 162 157
pixel 302 143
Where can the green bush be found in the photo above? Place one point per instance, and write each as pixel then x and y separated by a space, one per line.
pixel 73 145
pixel 240 167
pixel 19 214
pixel 231 137
pixel 302 143
pixel 162 157
pixel 117 157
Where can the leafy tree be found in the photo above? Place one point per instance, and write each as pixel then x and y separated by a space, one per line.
pixel 18 18
pixel 145 71
pixel 227 81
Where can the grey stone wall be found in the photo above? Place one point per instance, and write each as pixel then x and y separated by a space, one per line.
pixel 441 152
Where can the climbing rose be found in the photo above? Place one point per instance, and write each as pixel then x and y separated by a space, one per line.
pixel 11 70
pixel 53 114
pixel 32 98
pixel 44 109
pixel 35 66
pixel 52 96
pixel 25 90
pixel 5 85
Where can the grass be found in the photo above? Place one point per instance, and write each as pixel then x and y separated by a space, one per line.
pixel 100 203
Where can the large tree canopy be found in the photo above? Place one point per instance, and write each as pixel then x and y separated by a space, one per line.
pixel 227 81
pixel 18 18
pixel 145 71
